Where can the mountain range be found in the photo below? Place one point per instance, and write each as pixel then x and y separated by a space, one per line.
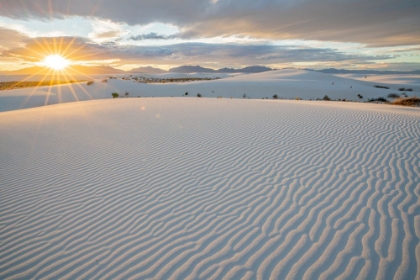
pixel 108 70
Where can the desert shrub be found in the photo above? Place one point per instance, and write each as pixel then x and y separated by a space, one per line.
pixel 408 89
pixel 275 96
pixel 90 83
pixel 410 101
pixel 104 81
pixel 379 99
pixel 360 96
pixel 401 89
pixel 381 87
pixel 393 95
pixel 298 98
pixel 326 97
pixel 244 96
pixel 115 95
pixel 198 95
pixel 127 94
pixel 186 93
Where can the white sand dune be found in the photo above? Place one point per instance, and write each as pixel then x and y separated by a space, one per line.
pixel 410 81
pixel 288 84
pixel 178 188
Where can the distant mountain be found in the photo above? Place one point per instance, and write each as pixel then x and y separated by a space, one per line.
pixel 365 72
pixel 254 69
pixel 192 69
pixel 71 71
pixel 148 70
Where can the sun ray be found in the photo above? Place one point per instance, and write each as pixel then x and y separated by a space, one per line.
pixel 68 46
pixel 33 91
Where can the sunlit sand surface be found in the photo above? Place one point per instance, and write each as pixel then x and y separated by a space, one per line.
pixel 189 188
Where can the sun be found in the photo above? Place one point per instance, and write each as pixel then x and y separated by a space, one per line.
pixel 55 62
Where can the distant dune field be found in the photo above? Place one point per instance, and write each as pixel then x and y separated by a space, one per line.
pixel 189 188
pixel 287 84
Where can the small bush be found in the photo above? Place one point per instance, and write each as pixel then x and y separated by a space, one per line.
pixel 379 99
pixel 244 96
pixel 410 101
pixel 104 81
pixel 115 95
pixel 405 89
pixel 127 94
pixel 393 95
pixel 298 98
pixel 360 96
pixel 90 83
pixel 186 93
pixel 381 87
pixel 275 96
pixel 198 95
pixel 326 97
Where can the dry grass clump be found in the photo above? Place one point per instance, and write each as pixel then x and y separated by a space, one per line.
pixel 18 85
pixel 410 101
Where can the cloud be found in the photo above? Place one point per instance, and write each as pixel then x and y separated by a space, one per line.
pixel 73 48
pixel 376 22
pixel 83 50
pixel 152 36
pixel 10 38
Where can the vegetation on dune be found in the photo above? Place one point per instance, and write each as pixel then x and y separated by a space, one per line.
pixel 115 95
pixel 379 99
pixel 393 95
pixel 90 83
pixel 152 80
pixel 410 101
pixel 405 89
pixel 18 85
pixel 384 87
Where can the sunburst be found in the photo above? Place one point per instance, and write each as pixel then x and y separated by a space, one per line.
pixel 58 57
pixel 55 62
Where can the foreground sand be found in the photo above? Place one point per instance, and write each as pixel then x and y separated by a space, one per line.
pixel 172 188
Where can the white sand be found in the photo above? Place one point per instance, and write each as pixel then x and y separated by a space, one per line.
pixel 178 188
pixel 284 83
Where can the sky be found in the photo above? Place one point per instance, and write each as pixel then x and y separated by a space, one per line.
pixel 126 34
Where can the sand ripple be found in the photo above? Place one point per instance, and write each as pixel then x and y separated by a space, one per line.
pixel 210 189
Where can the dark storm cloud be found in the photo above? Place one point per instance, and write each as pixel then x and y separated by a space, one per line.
pixel 374 22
